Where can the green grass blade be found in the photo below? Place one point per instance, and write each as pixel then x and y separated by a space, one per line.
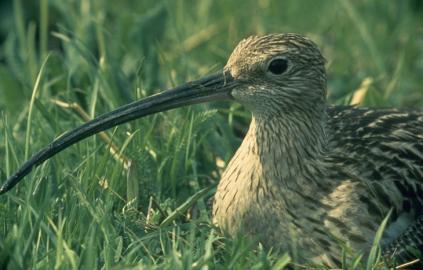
pixel 31 105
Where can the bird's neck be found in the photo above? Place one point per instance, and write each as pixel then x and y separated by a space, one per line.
pixel 288 147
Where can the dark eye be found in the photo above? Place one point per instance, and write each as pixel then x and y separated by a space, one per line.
pixel 278 66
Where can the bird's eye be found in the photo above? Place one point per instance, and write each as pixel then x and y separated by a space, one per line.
pixel 278 66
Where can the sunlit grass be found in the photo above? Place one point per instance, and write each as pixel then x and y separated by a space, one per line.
pixel 139 196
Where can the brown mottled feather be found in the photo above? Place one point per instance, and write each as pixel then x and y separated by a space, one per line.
pixel 312 176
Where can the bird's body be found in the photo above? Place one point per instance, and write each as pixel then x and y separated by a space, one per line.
pixel 308 176
pixel 372 162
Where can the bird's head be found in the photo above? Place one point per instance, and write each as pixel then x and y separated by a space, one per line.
pixel 278 74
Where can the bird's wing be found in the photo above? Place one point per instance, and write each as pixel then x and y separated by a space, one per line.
pixel 384 148
pixel 384 144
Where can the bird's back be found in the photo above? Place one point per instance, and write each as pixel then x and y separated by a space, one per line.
pixel 383 148
pixel 381 144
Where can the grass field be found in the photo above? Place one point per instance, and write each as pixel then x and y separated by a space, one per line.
pixel 137 197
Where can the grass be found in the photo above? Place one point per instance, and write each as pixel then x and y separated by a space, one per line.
pixel 137 197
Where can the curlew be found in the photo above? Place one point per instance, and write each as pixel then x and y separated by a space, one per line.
pixel 307 175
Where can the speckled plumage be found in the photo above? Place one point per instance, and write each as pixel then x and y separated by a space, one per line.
pixel 309 176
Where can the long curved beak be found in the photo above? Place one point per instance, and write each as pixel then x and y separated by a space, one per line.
pixel 217 86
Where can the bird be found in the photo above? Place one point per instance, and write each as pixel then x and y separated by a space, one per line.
pixel 308 176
